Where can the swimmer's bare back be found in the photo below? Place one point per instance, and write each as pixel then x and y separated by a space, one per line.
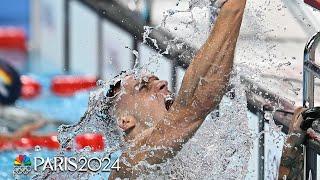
pixel 201 91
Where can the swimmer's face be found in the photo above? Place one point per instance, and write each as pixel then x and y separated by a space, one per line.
pixel 141 103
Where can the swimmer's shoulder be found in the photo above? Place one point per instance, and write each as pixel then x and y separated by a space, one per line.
pixel 173 130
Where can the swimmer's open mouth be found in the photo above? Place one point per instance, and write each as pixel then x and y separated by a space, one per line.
pixel 168 101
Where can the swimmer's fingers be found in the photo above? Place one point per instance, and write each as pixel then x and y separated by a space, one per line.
pixel 296 120
pixel 299 110
pixel 309 116
pixel 301 125
pixel 296 135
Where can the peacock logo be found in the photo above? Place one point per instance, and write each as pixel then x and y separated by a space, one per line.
pixel 22 165
pixel 22 160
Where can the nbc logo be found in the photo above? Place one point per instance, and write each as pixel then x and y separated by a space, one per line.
pixel 22 165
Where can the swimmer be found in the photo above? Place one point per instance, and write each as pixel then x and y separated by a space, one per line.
pixel 291 165
pixel 148 101
pixel 25 131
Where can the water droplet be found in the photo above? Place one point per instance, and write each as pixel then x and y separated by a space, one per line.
pixel 268 115
pixel 100 83
pixel 37 148
pixel 87 149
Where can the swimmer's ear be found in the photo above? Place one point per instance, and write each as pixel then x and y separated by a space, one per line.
pixel 127 122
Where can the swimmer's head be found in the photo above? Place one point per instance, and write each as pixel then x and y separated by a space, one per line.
pixel 139 102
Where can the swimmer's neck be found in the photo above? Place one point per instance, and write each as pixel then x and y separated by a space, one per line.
pixel 137 135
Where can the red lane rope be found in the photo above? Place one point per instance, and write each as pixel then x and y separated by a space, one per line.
pixel 94 140
pixel 30 87
pixel 69 85
pixel 13 38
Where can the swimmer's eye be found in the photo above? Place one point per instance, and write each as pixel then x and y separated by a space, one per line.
pixel 144 82
pixel 143 85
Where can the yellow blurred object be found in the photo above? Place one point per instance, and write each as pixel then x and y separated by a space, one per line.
pixel 5 77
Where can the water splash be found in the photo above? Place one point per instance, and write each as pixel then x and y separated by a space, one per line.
pixel 221 147
pixel 97 119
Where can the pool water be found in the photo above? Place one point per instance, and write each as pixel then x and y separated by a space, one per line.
pixel 66 109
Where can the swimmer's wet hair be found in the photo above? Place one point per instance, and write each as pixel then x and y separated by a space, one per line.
pixel 110 97
pixel 115 86
pixel 99 107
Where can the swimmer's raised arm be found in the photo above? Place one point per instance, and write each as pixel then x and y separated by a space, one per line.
pixel 207 76
pixel 203 84
pixel 197 98
pixel 205 80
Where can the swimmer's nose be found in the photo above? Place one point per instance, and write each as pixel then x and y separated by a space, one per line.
pixel 122 123
pixel 162 85
pixel 126 122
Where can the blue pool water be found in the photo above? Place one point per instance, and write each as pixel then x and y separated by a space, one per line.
pixel 66 109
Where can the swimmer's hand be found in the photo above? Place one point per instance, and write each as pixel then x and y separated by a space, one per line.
pixel 296 134
pixel 302 120
pixel 291 164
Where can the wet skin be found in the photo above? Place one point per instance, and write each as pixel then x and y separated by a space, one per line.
pixel 201 91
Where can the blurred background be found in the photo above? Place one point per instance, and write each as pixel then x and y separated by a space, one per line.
pixel 53 52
